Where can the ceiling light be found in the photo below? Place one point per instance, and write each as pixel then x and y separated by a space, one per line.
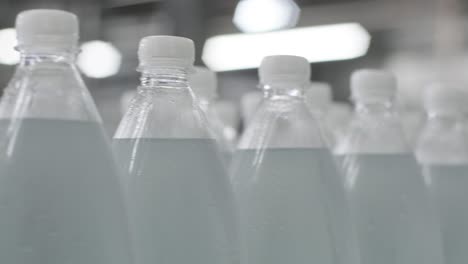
pixel 316 44
pixel 265 15
pixel 99 59
pixel 8 42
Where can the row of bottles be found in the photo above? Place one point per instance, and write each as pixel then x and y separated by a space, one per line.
pixel 302 187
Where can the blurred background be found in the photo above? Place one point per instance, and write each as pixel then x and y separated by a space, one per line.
pixel 421 41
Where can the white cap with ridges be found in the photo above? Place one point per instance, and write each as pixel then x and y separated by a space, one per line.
pixel 318 94
pixel 47 27
pixel 204 83
pixel 166 51
pixel 284 68
pixel 441 98
pixel 370 85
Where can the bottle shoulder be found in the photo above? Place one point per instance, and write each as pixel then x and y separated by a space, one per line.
pixel 282 124
pixel 373 134
pixel 443 145
pixel 163 113
pixel 48 91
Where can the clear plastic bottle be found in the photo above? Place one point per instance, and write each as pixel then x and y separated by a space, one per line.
pixel 290 198
pixel 204 84
pixel 390 207
pixel 442 150
pixel 60 198
pixel 178 194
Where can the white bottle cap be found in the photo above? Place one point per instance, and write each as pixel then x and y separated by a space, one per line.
pixel 318 94
pixel 47 27
pixel 166 51
pixel 439 98
pixel 204 83
pixel 284 68
pixel 370 85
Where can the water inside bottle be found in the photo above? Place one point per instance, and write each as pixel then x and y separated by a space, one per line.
pixel 447 185
pixel 394 222
pixel 180 209
pixel 282 194
pixel 57 177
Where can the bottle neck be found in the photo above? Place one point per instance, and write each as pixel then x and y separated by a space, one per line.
pixel 374 107
pixel 164 78
pixel 52 85
pixel 375 128
pixel 35 56
pixel 444 119
pixel 285 90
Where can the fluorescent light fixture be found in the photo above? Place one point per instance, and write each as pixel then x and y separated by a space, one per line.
pixel 99 59
pixel 8 42
pixel 265 15
pixel 316 44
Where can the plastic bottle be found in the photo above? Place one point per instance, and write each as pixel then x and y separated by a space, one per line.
pixel 178 194
pixel 60 198
pixel 442 150
pixel 205 87
pixel 290 199
pixel 390 208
